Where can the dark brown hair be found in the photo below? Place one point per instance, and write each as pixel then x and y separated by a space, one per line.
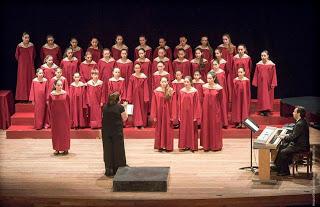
pixel 302 111
pixel 113 98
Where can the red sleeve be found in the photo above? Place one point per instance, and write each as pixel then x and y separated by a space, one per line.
pixel 145 91
pixel 123 92
pixel 170 69
pixel 178 113
pixel 84 97
pixel 249 95
pixel 153 112
pixel 17 53
pixel 66 85
pixel 255 77
pixel 274 77
pixel 81 73
pixel 31 95
pixel 129 90
pixel 197 107
pixel 173 114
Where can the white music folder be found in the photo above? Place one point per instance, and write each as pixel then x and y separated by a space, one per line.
pixel 129 109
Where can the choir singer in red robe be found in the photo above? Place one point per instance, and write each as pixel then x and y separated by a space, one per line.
pixel 211 122
pixel 116 48
pixel 265 78
pixel 241 98
pixel 143 45
pixel 78 102
pixel 162 114
pixel 38 97
pixel 60 119
pixel 189 113
pixel 95 99
pixel 25 55
pixel 138 95
pixel 51 48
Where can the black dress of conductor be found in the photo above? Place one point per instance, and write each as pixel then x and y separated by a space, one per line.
pixel 296 142
pixel 112 135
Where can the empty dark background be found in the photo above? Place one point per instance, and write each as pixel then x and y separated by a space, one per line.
pixel 287 30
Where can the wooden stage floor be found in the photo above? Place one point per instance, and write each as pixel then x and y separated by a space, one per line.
pixel 31 176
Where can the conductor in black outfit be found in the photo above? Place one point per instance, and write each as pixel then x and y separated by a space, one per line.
pixel 112 135
pixel 293 143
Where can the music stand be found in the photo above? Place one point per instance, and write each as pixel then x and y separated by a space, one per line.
pixel 253 128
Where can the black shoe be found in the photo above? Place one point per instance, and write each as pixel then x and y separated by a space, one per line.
pixel 283 174
pixel 56 153
pixel 274 168
pixel 65 152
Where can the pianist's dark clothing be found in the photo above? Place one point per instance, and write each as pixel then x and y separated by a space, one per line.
pixel 296 142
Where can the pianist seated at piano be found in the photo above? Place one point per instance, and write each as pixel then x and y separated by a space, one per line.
pixel 295 142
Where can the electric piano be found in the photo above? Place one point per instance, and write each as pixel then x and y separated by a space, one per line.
pixel 267 143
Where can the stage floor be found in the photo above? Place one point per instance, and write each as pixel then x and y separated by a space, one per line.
pixel 31 176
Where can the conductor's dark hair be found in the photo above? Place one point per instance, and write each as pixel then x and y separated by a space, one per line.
pixel 113 98
pixel 302 111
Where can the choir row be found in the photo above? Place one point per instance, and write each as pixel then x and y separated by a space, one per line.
pixel 225 55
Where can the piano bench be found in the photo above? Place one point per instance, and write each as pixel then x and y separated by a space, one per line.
pixel 305 158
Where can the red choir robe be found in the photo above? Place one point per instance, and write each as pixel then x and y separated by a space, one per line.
pixel 78 104
pixel 177 86
pixel 60 120
pixel 167 65
pixel 85 70
pixel 146 69
pixel 265 78
pixel 168 52
pixel 49 72
pixel 187 49
pixel 227 55
pixel 96 53
pixel 146 48
pixel 243 62
pixel 106 68
pixel 163 111
pixel 116 52
pixel 195 66
pixel 211 121
pixel 69 67
pixel 145 66
pixel 221 76
pixel 78 53
pixel 126 69
pixel 206 52
pixel 95 102
pixel 55 52
pixel 38 96
pixel 198 85
pixel 222 64
pixel 25 57
pixel 156 78
pixel 113 85
pixel 138 95
pixel 241 98
pixel 184 66
pixel 189 113
pixel 65 84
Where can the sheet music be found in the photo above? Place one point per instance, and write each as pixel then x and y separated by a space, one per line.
pixel 129 109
